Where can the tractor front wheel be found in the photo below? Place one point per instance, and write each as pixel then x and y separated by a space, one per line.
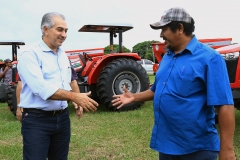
pixel 118 73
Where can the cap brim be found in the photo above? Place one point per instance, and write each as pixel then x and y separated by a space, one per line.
pixel 158 25
pixel 155 27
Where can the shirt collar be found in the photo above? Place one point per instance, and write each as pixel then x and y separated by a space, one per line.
pixel 192 45
pixel 45 48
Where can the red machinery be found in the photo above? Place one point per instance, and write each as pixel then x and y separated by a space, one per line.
pixel 159 48
pixel 105 75
pixel 231 55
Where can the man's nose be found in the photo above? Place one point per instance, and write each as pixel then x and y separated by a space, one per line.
pixel 64 34
pixel 161 35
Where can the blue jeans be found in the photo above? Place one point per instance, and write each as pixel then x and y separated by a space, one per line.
pixel 199 155
pixel 45 136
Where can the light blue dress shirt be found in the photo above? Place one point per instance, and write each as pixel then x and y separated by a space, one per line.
pixel 42 73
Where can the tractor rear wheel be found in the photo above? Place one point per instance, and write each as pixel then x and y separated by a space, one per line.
pixel 12 99
pixel 115 75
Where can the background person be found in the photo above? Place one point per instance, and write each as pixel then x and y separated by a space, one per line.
pixel 6 78
pixel 6 72
pixel 45 73
pixel 191 79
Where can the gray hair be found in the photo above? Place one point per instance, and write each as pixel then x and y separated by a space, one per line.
pixel 47 20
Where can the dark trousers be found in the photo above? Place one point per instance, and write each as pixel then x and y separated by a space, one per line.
pixel 199 155
pixel 45 136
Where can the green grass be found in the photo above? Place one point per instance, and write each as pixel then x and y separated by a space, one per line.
pixel 100 135
pixel 151 78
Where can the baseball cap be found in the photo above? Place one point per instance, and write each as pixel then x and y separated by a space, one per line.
pixel 7 60
pixel 173 14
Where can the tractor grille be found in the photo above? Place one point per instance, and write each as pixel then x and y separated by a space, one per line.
pixel 231 60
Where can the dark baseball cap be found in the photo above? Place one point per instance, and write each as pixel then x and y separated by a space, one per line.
pixel 7 60
pixel 173 14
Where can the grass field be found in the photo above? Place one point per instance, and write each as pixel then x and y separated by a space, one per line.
pixel 101 135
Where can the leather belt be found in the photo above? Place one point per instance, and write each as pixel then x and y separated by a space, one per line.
pixel 34 110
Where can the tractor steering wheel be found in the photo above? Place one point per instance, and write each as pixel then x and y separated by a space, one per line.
pixel 86 56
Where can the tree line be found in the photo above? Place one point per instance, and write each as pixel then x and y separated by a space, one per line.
pixel 143 49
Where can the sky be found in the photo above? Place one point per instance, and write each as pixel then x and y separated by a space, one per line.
pixel 20 20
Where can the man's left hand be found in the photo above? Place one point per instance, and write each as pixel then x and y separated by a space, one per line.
pixel 79 110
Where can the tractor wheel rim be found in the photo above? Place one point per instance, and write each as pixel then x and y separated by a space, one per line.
pixel 129 80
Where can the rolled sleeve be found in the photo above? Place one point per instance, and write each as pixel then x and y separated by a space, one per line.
pixel 47 91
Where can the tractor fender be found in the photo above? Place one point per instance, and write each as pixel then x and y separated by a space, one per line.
pixel 104 60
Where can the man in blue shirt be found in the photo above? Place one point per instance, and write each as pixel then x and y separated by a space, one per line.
pixel 45 73
pixel 192 78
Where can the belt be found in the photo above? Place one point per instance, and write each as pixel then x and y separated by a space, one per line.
pixel 34 110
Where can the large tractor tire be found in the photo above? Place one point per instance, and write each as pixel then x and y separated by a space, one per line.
pixel 115 75
pixel 12 99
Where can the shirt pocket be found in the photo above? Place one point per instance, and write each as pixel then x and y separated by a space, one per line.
pixel 184 85
pixel 182 82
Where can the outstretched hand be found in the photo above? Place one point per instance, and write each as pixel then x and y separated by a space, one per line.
pixel 82 99
pixel 123 99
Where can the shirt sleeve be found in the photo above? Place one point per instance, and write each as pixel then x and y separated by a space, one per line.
pixel 218 85
pixel 31 74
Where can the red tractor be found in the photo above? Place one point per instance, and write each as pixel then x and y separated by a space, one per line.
pixel 103 75
pixel 229 52
pixel 10 90
pixel 106 74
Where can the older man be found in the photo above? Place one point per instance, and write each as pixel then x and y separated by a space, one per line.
pixel 45 73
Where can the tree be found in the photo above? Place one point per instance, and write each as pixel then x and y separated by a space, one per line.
pixel 116 48
pixel 144 49
pixel 1 60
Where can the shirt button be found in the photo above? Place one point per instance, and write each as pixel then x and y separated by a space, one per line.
pixel 164 82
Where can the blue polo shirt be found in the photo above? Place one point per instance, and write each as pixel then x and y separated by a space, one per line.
pixel 187 87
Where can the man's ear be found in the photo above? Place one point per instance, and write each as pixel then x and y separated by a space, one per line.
pixel 181 28
pixel 45 30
